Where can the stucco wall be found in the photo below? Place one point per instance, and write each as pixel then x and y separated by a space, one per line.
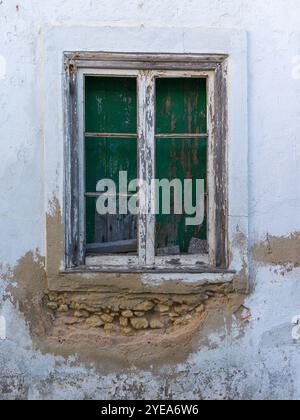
pixel 256 359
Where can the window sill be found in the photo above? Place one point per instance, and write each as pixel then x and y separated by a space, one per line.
pixel 158 270
pixel 181 280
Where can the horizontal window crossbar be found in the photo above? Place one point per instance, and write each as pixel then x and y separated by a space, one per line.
pixel 161 136
pixel 181 136
pixel 99 194
pixel 111 135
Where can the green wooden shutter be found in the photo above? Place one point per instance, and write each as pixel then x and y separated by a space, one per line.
pixel 110 108
pixel 180 109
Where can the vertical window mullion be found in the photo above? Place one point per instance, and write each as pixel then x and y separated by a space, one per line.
pixel 81 169
pixel 211 170
pixel 146 132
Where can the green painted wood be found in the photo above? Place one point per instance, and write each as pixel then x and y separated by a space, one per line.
pixel 180 108
pixel 110 107
pixel 106 157
pixel 179 159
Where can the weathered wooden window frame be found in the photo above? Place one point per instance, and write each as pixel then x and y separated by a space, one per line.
pixel 146 68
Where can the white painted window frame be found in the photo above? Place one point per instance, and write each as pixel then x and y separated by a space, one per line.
pixel 146 257
pixel 61 45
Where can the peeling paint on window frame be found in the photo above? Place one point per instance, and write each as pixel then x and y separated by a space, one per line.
pixel 146 67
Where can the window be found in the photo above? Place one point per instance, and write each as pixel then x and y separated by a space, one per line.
pixel 146 162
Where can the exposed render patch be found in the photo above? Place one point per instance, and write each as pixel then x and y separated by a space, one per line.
pixel 126 322
pixel 279 251
pixel 28 282
pixel 171 343
pixel 52 332
pixel 55 238
pixel 241 279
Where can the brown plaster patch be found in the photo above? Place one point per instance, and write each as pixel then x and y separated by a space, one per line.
pixel 55 328
pixel 28 292
pixel 158 347
pixel 279 251
pixel 111 350
pixel 241 279
pixel 51 334
pixel 54 239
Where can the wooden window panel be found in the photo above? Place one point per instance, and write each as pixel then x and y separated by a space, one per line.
pixel 181 111
pixel 110 114
pixel 211 66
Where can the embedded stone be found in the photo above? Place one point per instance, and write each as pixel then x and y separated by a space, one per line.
pixel 63 308
pixel 139 314
pixel 107 318
pixel 162 308
pixel 127 314
pixel 181 309
pixel 156 324
pixel 173 315
pixel 200 309
pixel 184 320
pixel 139 323
pixel 52 296
pixel 52 305
pixel 94 322
pixel 123 321
pixel 144 306
pixel 179 322
pixel 91 308
pixel 126 331
pixel 75 306
pixel 109 328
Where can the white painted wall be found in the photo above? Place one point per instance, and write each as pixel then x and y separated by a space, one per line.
pixel 265 362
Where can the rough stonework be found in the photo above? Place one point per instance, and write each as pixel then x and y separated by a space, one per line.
pixel 132 314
